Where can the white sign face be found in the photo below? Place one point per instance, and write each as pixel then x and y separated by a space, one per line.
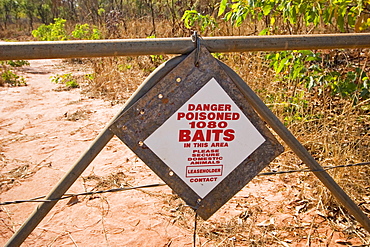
pixel 205 139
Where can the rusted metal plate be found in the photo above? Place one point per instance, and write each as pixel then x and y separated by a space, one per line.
pixel 154 121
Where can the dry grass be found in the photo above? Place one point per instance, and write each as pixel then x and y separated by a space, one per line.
pixel 14 171
pixel 78 115
pixel 22 171
pixel 116 78
pixel 92 182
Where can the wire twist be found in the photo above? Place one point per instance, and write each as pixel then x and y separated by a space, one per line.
pixel 195 38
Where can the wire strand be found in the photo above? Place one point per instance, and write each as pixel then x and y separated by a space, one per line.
pixel 66 196
pixel 195 230
pixel 325 168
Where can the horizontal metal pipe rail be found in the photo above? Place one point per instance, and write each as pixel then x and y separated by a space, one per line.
pixel 134 47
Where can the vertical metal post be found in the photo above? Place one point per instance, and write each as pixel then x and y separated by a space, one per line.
pixel 298 148
pixel 99 143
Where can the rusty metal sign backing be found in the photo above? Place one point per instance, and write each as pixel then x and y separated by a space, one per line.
pixel 198 133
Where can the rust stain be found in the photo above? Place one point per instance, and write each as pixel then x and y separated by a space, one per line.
pixel 165 100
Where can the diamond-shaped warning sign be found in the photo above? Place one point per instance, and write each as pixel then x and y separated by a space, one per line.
pixel 209 136
pixel 197 132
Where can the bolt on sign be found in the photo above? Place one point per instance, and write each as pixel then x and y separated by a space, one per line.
pixel 197 132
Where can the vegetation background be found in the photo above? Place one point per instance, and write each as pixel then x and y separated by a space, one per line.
pixel 322 96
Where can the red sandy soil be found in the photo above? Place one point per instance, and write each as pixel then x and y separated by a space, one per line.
pixel 43 131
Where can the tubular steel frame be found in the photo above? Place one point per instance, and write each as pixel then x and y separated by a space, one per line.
pixel 134 47
pixel 74 49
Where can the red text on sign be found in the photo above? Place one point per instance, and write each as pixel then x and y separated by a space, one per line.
pixel 210 125
pixel 206 135
pixel 201 180
pixel 204 171
pixel 209 107
pixel 208 115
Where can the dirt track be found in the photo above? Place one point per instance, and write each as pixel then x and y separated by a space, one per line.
pixel 43 131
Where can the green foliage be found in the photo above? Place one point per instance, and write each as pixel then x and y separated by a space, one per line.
pixel 53 32
pixel 57 32
pixel 342 13
pixel 194 20
pixel 67 80
pixel 353 84
pixel 101 11
pixel 84 31
pixel 9 77
pixel 295 107
pixel 17 63
pixel 293 65
pixel 237 14
pixel 89 76
pixel 9 11
pixel 310 69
